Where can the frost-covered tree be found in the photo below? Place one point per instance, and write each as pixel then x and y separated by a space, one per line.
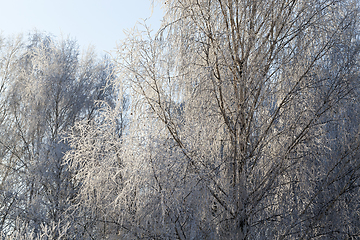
pixel 95 159
pixel 242 124
pixel 51 88
pixel 9 50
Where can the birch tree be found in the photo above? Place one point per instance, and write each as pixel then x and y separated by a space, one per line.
pixel 242 124
pixel 51 89
pixel 10 50
pixel 241 94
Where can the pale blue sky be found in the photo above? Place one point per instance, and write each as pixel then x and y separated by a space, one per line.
pixel 97 22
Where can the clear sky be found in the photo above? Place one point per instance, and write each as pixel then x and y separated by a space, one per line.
pixel 96 22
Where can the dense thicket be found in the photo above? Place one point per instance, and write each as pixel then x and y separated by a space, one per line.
pixel 236 120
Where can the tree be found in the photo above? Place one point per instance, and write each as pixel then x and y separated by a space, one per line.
pixel 9 50
pixel 95 159
pixel 237 109
pixel 50 90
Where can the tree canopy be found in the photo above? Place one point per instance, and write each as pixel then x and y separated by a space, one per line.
pixel 235 120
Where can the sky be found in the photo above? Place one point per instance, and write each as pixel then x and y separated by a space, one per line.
pixel 100 23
